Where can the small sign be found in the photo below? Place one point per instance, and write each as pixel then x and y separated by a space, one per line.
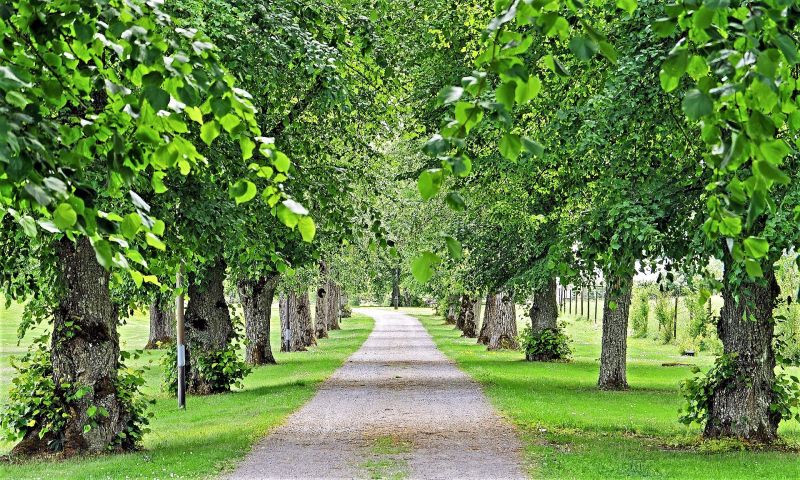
pixel 181 356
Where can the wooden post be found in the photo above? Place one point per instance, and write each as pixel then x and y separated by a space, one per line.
pixel 570 302
pixel 588 300
pixel 180 339
pixel 675 319
pixel 595 305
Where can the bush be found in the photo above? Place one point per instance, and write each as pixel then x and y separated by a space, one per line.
pixel 640 313
pixel 543 346
pixel 221 368
pixel 787 343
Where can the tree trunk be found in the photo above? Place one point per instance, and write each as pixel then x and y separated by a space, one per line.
pixel 740 405
pixel 470 316
pixel 162 322
pixel 292 308
pixel 461 312
pixel 333 307
pixel 544 317
pixel 452 310
pixel 208 326
pixel 489 315
pixel 85 353
pixel 396 288
pixel 615 333
pixel 306 324
pixel 321 312
pixel 499 328
pixel 256 297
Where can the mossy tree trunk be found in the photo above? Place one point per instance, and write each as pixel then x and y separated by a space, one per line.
pixel 544 318
pixel 257 296
pixel 333 306
pixel 295 314
pixel 162 322
pixel 85 355
pixel 740 405
pixel 208 326
pixel 451 315
pixel 499 328
pixel 306 323
pixel 613 359
pixel 469 315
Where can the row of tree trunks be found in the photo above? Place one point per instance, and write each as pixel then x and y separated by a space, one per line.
pixel 162 322
pixel 740 406
pixel 208 325
pixel 499 329
pixel 396 288
pixel 614 347
pixel 256 296
pixel 295 313
pixel 544 316
pixel 85 353
pixel 469 316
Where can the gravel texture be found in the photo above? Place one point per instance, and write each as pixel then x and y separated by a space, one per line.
pixel 398 408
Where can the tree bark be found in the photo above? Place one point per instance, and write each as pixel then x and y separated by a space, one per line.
pixel 85 353
pixel 162 323
pixel 293 307
pixel 544 317
pixel 323 298
pixel 451 317
pixel 304 320
pixel 740 405
pixel 470 316
pixel 615 333
pixel 208 326
pixel 257 296
pixel 396 288
pixel 333 307
pixel 499 328
pixel 488 319
pixel 461 313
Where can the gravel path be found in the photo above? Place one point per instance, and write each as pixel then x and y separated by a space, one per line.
pixel 398 408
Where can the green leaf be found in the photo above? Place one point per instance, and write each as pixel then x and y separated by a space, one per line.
pixel 771 172
pixel 506 93
pixel 532 147
pixel 158 182
pixel 307 228
pixel 454 247
pixel 450 95
pixel 788 47
pixel 103 253
pixel 156 97
pixel 28 225
pixel 422 266
pixel 510 146
pixel 774 151
pixel 627 5
pixel 154 241
pixel 247 145
pixel 697 104
pixel 455 201
pixel 756 247
pixel 243 191
pixel 281 162
pixel 130 225
pixel 429 183
pixel 527 91
pixel 753 268
pixel 64 216
pixel 209 131
pixel 697 67
pixel 583 48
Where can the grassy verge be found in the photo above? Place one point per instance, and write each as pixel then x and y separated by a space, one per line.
pixel 572 430
pixel 215 431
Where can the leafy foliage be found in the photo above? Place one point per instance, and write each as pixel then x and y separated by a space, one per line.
pixel 547 344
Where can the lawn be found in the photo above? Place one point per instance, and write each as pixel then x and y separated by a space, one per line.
pixel 572 430
pixel 214 432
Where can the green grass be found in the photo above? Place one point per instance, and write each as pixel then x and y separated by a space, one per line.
pixel 572 430
pixel 215 431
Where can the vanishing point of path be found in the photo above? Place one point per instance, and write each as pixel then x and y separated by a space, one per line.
pixel 398 408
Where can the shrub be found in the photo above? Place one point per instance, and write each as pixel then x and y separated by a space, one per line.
pixel 221 368
pixel 640 313
pixel 545 345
